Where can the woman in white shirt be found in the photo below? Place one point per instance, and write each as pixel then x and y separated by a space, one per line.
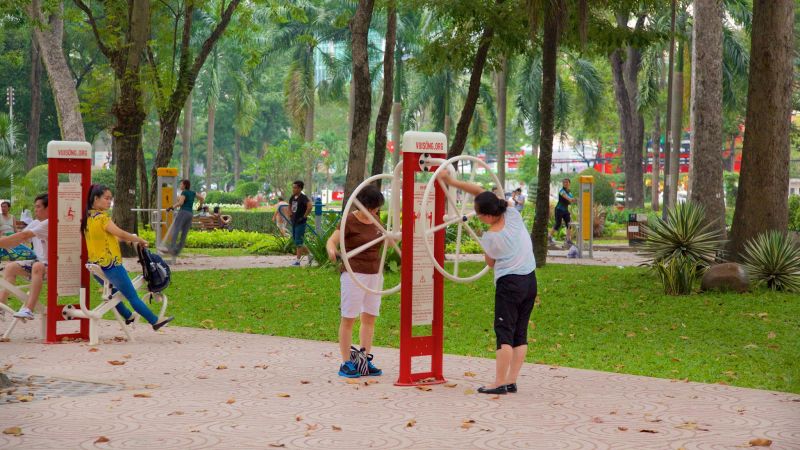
pixel 508 250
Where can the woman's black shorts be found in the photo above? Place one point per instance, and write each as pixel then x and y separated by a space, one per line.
pixel 513 303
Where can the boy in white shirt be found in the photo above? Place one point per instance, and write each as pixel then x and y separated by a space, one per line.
pixel 35 270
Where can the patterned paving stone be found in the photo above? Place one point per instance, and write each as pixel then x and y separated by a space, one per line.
pixel 188 388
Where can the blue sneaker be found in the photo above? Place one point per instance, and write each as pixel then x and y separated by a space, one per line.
pixel 373 371
pixel 349 370
pixel 296 262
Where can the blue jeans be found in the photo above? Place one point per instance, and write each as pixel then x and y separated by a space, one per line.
pixel 118 277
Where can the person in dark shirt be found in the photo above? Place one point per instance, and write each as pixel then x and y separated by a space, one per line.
pixel 565 199
pixel 183 220
pixel 299 209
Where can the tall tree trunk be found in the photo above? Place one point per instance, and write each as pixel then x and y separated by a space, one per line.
pixel 667 136
pixel 705 179
pixel 676 128
pixel 186 138
pixel 654 180
pixel 237 155
pixel 308 132
pixel 396 112
pixel 356 163
pixel 462 128
pixel 502 78
pixel 130 116
pixel 65 95
pixel 212 114
pixel 143 186
pixel 36 104
pixel 625 76
pixel 762 200
pixel 552 23
pixel 351 110
pixel 382 121
pixel 731 154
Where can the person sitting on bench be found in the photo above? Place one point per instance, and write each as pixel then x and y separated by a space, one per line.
pixel 35 269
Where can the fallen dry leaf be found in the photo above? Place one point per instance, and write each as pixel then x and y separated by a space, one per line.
pixel 368 382
pixel 142 395
pixel 231 401
pixel 597 420
pixel 25 398
pixel 283 395
pixel 353 381
pixel 312 426
pixel 152 386
pixel 102 440
pixel 467 424
pixel 277 445
pixel 760 442
pixel 260 366
pixel 469 391
pixel 690 426
pixel 94 349
pixel 298 418
pixel 469 374
pixel 622 428
pixel 336 428
pixel 126 356
pixel 648 431
pixel 116 363
pixel 176 413
pixel 771 335
pixel 14 431
pixel 450 385
pixel 411 423
pixel 425 388
pixel 685 337
pixel 304 382
pixel 222 367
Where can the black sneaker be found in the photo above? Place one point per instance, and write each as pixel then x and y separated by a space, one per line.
pixel 373 371
pixel 158 325
pixel 349 370
pixel 130 320
pixel 499 390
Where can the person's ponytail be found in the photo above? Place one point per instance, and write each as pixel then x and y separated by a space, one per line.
pixel 489 204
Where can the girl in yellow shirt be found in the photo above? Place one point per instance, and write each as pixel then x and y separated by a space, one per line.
pixel 102 245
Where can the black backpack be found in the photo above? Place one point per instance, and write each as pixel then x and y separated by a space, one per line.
pixel 154 269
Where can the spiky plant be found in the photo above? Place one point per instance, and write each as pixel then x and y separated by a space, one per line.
pixel 772 258
pixel 677 274
pixel 682 235
pixel 681 248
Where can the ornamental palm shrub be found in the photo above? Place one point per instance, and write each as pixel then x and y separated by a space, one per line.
pixel 772 258
pixel 680 248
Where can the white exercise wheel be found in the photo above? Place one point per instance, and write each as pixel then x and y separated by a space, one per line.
pixel 456 214
pixel 390 234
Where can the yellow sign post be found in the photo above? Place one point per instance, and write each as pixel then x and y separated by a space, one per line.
pixel 586 215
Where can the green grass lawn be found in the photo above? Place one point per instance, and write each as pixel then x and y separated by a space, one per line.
pixel 602 318
pixel 592 317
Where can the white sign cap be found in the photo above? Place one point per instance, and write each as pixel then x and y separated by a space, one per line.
pixel 69 150
pixel 424 142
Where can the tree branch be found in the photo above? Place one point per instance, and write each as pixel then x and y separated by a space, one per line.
pixel 111 55
pixel 213 37
pixel 159 86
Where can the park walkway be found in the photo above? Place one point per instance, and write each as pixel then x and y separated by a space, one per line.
pixel 186 388
pixel 198 261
